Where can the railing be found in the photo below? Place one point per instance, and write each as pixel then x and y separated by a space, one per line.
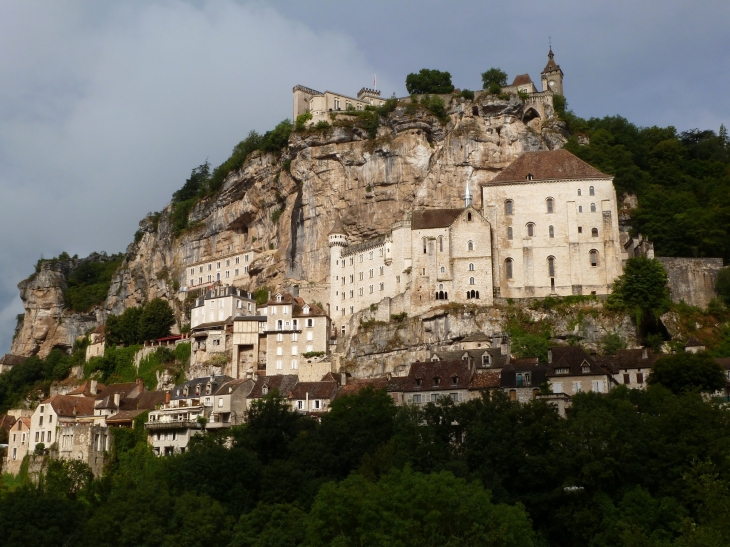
pixel 187 424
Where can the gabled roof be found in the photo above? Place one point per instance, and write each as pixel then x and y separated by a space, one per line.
pixel 628 359
pixel 297 305
pixel 7 422
pixel 233 385
pixel 445 371
pixel 284 383
pixel 547 165
pixel 354 385
pixel 84 390
pixel 112 389
pixel 313 390
pixel 214 381
pixel 477 337
pixel 522 79
pixel 485 380
pixel 434 218
pixel 70 406
pixel 573 358
pixel 694 343
pixel 537 370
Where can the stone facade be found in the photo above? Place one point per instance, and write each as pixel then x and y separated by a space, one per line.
pixel 19 444
pixel 225 269
pixel 221 303
pixel 87 442
pixel 320 104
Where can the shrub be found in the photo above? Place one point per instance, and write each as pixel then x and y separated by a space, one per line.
pixel 301 122
pixel 89 284
pixel 275 215
pixel 494 78
pixel 641 289
pixel 687 372
pixel 310 354
pixel 429 81
pixel 612 342
pixel 322 126
pixel 399 317
pixel 436 106
pixel 466 94
pixel 261 295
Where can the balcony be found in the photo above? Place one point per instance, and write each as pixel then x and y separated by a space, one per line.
pixel 177 424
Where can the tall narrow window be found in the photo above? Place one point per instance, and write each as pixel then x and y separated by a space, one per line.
pixel 594 257
pixel 471 281
pixel 468 217
pixel 594 232
pixel 580 208
pixel 551 266
pixel 593 207
pixel 591 190
pixel 471 267
pixel 424 245
pixel 508 268
pixel 508 207
pixel 550 204
pixel 509 232
pixel 579 192
pixel 551 231
pixel 530 230
pixel 441 244
pixel 470 246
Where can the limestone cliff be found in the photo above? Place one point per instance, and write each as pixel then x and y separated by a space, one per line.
pixel 284 205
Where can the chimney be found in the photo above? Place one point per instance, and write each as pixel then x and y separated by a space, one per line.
pixel 343 378
pixel 295 290
pixel 550 356
pixel 167 397
pixel 117 398
pixel 92 389
pixel 644 353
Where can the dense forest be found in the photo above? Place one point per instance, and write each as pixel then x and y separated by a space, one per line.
pixel 640 468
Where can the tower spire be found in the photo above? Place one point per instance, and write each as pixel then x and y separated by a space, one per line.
pixel 467 196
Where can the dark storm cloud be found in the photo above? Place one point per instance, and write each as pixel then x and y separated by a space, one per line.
pixel 106 106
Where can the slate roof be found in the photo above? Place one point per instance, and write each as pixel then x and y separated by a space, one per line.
pixel 229 387
pixel 316 390
pixel 443 370
pixel 547 165
pixel 69 406
pixel 284 383
pixel 297 304
pixel 215 381
pixel 124 416
pixel 694 343
pixel 537 370
pixel 477 337
pixel 498 359
pixel 434 218
pixel 627 359
pixel 573 358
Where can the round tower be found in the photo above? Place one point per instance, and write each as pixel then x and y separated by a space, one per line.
pixel 337 236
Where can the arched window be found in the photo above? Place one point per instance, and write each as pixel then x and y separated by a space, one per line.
pixel 468 217
pixel 508 268
pixel 551 266
pixel 579 192
pixel 550 205
pixel 530 229
pixel 580 210
pixel 443 269
pixel 594 257
pixel 471 267
pixel 424 245
pixel 551 231
pixel 508 207
pixel 593 207
pixel 594 232
pixel 441 286
pixel 441 244
pixel 509 232
pixel 470 246
pixel 471 281
pixel 591 190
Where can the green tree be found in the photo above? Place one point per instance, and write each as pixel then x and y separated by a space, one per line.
pixel 612 342
pixel 429 81
pixel 280 525
pixel 687 372
pixel 124 328
pixel 722 285
pixel 641 289
pixel 194 185
pixel 494 80
pixel 155 320
pixel 412 509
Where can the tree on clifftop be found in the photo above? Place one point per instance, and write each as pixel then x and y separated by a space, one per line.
pixel 429 81
pixel 494 80
pixel 156 320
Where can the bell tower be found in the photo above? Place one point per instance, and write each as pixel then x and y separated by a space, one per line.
pixel 552 76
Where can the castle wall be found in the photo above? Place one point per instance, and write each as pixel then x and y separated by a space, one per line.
pixel 692 279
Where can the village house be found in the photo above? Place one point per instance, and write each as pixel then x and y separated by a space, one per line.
pixel 521 379
pixel 629 367
pixel 55 412
pixel 427 381
pixel 313 397
pixel 282 384
pixel 571 370
pixel 18 445
pixel 222 270
pixel 97 343
pixel 219 304
pixel 8 361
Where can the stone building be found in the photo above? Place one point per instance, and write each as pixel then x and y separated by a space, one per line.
pixel 555 227
pixel 320 104
pixel 428 381
pixel 521 379
pixel 225 270
pixel 8 361
pixel 629 367
pixel 571 370
pixel 19 444
pixel 221 303
pixel 294 329
pixel 55 412
pixel 552 76
pixel 97 343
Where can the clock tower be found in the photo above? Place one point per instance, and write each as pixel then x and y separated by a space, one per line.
pixel 552 76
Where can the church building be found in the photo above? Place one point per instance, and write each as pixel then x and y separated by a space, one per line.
pixel 548 226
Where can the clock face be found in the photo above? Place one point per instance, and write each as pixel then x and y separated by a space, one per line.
pixel 552 83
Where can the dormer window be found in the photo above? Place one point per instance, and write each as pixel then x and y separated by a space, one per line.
pixel 185 391
pixel 207 389
pixel 436 381
pixel 265 390
pixel 454 380
pixel 278 298
pixel 197 389
pixel 305 310
pixel 529 176
pixel 418 382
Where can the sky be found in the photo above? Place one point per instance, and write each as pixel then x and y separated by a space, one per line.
pixel 105 107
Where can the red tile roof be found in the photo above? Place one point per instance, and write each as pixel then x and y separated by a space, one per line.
pixel 522 79
pixel 70 407
pixel 354 385
pixel 485 380
pixel 315 390
pixel 85 389
pixel 547 165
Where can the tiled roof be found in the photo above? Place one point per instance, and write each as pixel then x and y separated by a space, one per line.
pixel 724 362
pixel 354 385
pixel 573 358
pixel 522 79
pixel 69 406
pixel 6 422
pixel 314 390
pixel 297 304
pixel 148 400
pixel 434 218
pixel 485 380
pixel 337 227
pixel 627 359
pixel 233 385
pixel 450 355
pixel 215 381
pixel 85 389
pixel 284 383
pixel 113 389
pixel 538 372
pixel 12 360
pixel 445 371
pixel 124 416
pixel 693 343
pixel 547 165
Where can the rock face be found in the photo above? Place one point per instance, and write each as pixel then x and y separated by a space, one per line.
pixel 283 207
pixel 46 323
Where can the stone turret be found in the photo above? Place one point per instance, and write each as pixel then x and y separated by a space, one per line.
pixel 337 236
pixel 552 76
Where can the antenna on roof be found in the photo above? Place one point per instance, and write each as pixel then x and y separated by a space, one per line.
pixel 375 82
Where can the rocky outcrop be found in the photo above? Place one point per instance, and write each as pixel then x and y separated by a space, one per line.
pixel 47 324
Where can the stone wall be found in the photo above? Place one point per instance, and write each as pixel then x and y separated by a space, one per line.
pixel 692 279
